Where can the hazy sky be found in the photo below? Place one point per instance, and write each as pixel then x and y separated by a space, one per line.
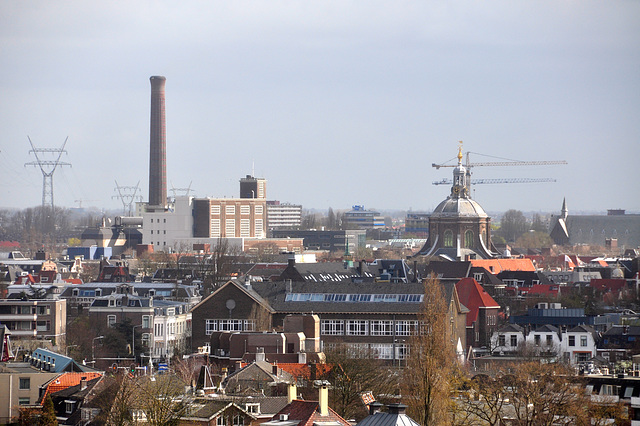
pixel 335 103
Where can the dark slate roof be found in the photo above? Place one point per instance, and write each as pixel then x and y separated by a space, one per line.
pixel 446 269
pixel 511 328
pixel 632 330
pixel 249 290
pixel 211 408
pixel 397 268
pixel 275 293
pixel 546 328
pixel 76 391
pixel 585 329
pixel 327 272
pixel 138 302
pixel 141 288
pixel 526 276
pixel 593 229
pixel 249 373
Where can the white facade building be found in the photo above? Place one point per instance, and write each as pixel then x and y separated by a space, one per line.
pixel 163 229
pixel 283 216
pixel 171 329
pixel 575 346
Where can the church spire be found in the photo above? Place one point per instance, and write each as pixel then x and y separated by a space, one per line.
pixel 564 211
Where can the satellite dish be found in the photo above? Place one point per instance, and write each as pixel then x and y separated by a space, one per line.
pixel 231 304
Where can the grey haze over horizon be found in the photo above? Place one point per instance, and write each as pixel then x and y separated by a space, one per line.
pixel 335 103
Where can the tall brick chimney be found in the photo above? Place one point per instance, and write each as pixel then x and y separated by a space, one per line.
pixel 158 146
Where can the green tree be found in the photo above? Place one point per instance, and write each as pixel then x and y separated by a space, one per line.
pixel 534 239
pixel 512 225
pixel 48 413
pixel 537 224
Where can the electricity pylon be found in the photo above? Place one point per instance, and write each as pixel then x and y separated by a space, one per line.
pixel 127 194
pixel 47 167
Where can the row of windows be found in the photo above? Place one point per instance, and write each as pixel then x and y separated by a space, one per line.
pixel 468 238
pixel 345 297
pixel 370 350
pixel 212 325
pixel 513 340
pixel 230 228
pixel 30 310
pixel 230 210
pixel 368 327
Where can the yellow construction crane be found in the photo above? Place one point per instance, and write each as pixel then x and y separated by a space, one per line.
pixel 505 162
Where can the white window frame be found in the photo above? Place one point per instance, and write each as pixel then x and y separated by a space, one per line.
pixel 381 327
pixel 332 327
pixel 357 327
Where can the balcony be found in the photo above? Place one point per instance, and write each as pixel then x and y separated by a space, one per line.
pixel 18 317
pixel 605 399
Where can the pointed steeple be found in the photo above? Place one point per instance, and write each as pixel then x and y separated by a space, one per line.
pixel 564 212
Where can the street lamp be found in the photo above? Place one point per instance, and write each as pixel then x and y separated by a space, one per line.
pixel 93 349
pixel 66 350
pixel 133 346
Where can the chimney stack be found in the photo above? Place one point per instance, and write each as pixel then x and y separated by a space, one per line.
pixel 375 407
pixel 158 146
pixel 292 393
pixel 323 399
pixel 396 408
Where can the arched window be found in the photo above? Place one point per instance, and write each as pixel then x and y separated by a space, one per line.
pixel 448 238
pixel 468 238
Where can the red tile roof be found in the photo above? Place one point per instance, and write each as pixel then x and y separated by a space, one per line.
pixel 66 380
pixel 473 296
pixel 307 413
pixel 495 266
pixel 610 284
pixel 303 370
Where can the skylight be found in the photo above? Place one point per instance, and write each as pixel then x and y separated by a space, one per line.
pixel 346 297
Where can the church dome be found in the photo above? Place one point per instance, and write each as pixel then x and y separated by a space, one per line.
pixel 459 206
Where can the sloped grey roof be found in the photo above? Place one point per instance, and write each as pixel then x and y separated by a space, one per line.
pixel 386 419
pixel 593 229
pixel 275 293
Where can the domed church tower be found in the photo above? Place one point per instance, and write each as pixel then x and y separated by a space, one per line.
pixel 459 229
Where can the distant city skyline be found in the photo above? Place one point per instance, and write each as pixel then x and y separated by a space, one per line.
pixel 334 103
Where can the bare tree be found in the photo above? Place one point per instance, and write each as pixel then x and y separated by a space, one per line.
pixel 161 399
pixel 353 371
pixel 430 365
pixel 483 400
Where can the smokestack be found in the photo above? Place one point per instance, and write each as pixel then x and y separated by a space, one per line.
pixel 158 146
